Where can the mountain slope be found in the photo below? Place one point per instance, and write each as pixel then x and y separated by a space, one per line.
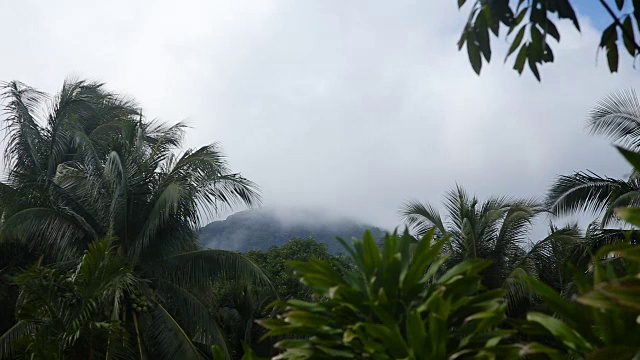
pixel 263 228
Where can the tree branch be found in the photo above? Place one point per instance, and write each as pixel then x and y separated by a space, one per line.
pixel 619 24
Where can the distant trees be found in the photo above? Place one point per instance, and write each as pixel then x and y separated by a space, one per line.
pixel 239 315
pixel 274 262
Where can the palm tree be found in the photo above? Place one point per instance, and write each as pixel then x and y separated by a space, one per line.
pixel 617 116
pixel 72 311
pixel 85 165
pixel 495 230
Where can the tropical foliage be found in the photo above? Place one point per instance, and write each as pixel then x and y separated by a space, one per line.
pixel 495 230
pixel 101 209
pixel 241 304
pixel 602 321
pixel 86 164
pixel 396 305
pixel 618 118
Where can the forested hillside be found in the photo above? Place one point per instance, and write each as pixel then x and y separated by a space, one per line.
pixel 260 229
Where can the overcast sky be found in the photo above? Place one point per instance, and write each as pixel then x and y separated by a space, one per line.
pixel 348 106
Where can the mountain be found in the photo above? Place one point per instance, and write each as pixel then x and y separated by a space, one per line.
pixel 260 229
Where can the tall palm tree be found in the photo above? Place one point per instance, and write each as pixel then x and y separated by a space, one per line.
pixel 617 117
pixel 496 229
pixel 86 164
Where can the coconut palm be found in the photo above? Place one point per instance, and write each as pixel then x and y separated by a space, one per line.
pixel 69 311
pixel 496 229
pixel 86 164
pixel 617 117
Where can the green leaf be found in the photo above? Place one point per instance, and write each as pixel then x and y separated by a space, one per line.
pixel 482 37
pixel 474 56
pixel 551 29
pixel 416 334
pixel 628 36
pixel 516 42
pixel 625 293
pixel 608 42
pixel 610 32
pixel 565 11
pixel 631 156
pixel 518 19
pixel 619 4
pixel 570 337
pixel 217 353
pixel 304 318
pixel 534 68
pixel 553 300
pixel 335 353
pixel 629 214
pixel 467 267
pixel 165 334
pixel 612 57
pixel 520 59
pixel 371 252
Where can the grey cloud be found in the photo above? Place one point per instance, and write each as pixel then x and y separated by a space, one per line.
pixel 348 107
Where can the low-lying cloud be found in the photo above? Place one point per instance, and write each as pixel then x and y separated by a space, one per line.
pixel 347 107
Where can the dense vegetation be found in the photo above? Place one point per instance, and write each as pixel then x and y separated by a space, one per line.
pixel 100 213
pixel 260 229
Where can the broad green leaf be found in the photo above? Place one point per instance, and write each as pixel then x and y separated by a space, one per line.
pixel 625 293
pixel 516 42
pixel 474 53
pixel 416 334
pixel 628 36
pixel 570 337
pixel 467 267
pixel 631 156
pixel 630 215
pixel 520 59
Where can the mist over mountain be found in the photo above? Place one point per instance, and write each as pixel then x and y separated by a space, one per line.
pixel 259 229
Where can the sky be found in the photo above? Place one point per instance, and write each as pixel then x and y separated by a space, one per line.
pixel 347 107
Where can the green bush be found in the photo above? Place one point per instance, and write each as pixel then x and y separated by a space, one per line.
pixel 396 305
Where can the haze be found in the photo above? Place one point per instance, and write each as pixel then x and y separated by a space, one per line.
pixel 346 107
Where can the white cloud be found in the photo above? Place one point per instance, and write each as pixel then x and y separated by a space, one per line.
pixel 348 106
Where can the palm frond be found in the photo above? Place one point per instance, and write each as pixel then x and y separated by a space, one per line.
pixel 421 217
pixel 517 223
pixel 459 205
pixel 200 268
pixel 17 331
pixel 48 231
pixel 586 192
pixel 164 207
pixel 166 338
pixel 618 117
pixel 162 138
pixel 194 314
pixel 211 183
pixel 23 134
